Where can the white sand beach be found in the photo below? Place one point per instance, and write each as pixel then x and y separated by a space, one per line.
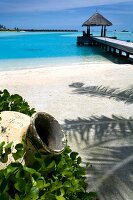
pixel 48 90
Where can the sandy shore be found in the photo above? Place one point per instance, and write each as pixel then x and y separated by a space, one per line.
pixel 48 89
pixel 107 147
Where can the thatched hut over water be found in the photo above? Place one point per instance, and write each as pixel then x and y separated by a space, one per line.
pixel 97 20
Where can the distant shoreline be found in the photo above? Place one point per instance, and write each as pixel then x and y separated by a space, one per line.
pixel 50 30
pixel 40 30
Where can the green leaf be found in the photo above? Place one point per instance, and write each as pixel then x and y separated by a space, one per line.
pixel 75 181
pixel 79 160
pixel 20 185
pixel 17 197
pixel 4 196
pixel 2 144
pixel 62 164
pixel 15 165
pixel 51 165
pixel 6 93
pixel 67 173
pixel 41 183
pixel 48 196
pixel 4 158
pixel 60 198
pixel 1 147
pixel 9 145
pixel 67 150
pixel 33 194
pixel 62 191
pixel 20 152
pixel 92 194
pixel 8 148
pixel 73 155
pixel 30 170
pixel 56 185
pixel 67 184
pixel 88 196
pixel 19 146
pixel 4 185
pixel 18 155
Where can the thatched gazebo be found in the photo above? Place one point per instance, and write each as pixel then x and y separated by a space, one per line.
pixel 97 20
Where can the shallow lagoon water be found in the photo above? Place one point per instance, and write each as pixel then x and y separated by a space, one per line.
pixel 22 50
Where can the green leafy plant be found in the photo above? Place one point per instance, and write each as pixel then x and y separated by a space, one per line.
pixel 14 103
pixel 50 177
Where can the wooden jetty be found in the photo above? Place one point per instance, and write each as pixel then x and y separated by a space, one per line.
pixel 111 44
pixel 115 46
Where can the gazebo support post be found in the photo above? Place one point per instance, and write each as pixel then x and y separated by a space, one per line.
pixel 102 31
pixel 88 31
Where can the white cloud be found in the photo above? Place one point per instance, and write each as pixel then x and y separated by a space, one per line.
pixel 50 5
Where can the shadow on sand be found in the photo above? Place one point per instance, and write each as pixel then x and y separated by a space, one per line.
pixel 101 91
pixel 107 143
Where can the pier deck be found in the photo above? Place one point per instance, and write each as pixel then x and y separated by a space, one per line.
pixel 120 45
pixel 122 48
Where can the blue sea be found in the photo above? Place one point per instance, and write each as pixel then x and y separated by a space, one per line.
pixel 24 50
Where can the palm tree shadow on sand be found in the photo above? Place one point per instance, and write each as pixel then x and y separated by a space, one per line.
pixel 107 143
pixel 125 95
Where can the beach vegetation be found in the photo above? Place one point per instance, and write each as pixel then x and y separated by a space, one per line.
pixel 14 102
pixel 50 177
pixel 2 27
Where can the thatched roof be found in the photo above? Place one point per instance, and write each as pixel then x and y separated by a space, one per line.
pixel 97 20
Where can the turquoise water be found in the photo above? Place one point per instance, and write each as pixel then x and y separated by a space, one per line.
pixel 20 50
pixel 39 45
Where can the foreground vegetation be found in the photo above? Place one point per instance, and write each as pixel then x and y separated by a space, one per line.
pixel 49 178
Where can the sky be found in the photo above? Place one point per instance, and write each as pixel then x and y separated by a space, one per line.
pixel 64 14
